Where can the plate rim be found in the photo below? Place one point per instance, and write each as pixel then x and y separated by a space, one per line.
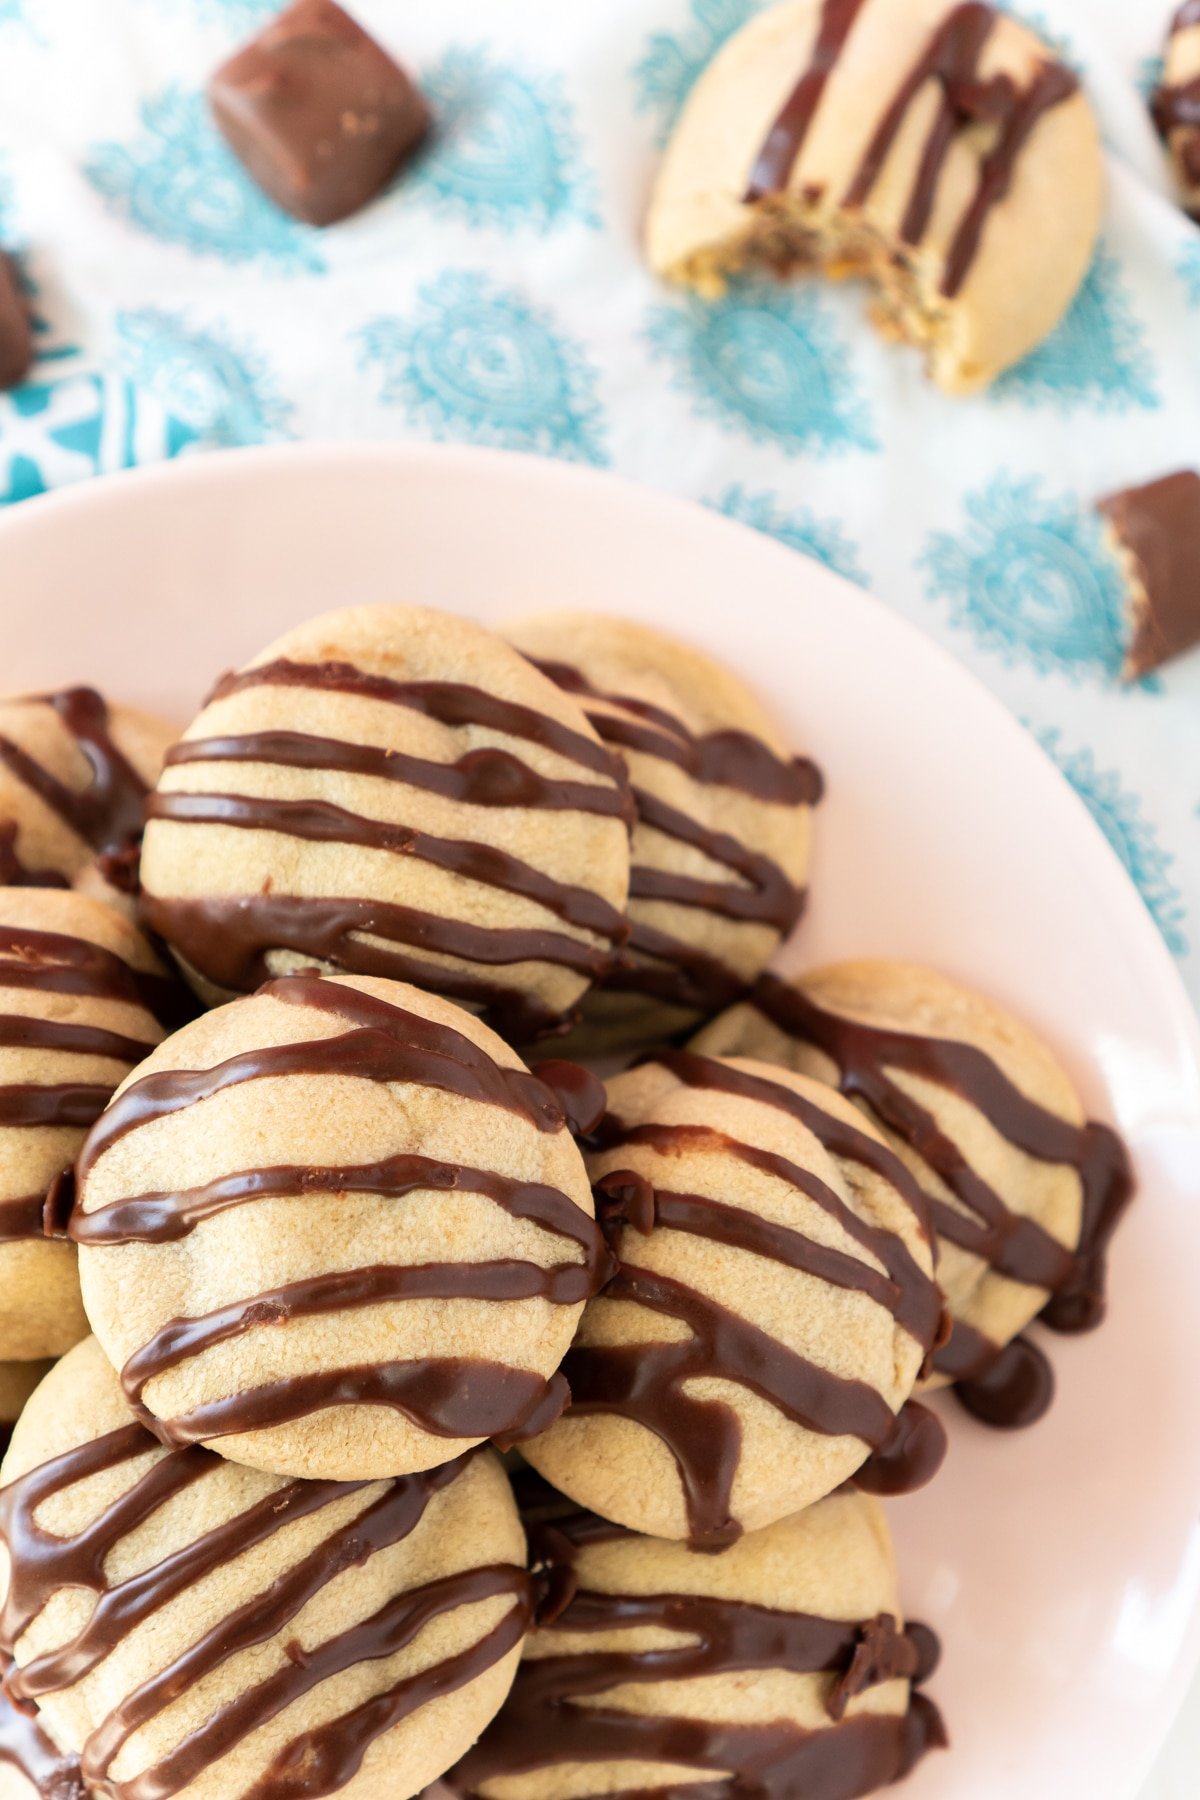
pixel 215 468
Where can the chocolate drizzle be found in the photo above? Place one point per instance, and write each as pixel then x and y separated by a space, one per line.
pixel 952 60
pixel 108 815
pixel 649 1382
pixel 25 1747
pixel 230 940
pixel 663 966
pixel 556 1712
pixel 1016 1247
pixel 789 133
pixel 1176 106
pixel 45 962
pixel 449 1396
pixel 315 1762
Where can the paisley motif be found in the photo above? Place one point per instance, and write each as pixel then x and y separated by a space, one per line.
pixel 769 360
pixel 478 361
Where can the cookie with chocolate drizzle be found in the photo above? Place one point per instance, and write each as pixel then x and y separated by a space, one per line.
pixel 1024 1191
pixel 74 776
pixel 656 1670
pixel 724 814
pixel 337 1229
pixel 77 983
pixel 392 791
pixel 936 148
pixel 32 1766
pixel 1176 102
pixel 772 1308
pixel 189 1628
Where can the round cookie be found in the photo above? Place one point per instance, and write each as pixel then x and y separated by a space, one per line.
pixel 724 811
pixel 74 775
pixel 196 1629
pixel 772 1309
pixel 32 1766
pixel 783 1659
pixel 938 149
pixel 74 1019
pixel 390 791
pixel 336 1229
pixel 990 1125
pixel 1177 102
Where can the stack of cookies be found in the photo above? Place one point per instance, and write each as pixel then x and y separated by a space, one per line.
pixel 391 1400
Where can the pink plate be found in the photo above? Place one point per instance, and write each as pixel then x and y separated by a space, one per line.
pixel 1061 1565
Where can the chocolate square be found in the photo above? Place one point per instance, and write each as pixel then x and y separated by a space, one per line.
pixel 16 329
pixel 318 113
pixel 1157 531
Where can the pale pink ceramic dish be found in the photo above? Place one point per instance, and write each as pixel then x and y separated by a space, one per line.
pixel 1062 1565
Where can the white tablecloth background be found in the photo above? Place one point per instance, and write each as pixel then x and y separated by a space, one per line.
pixel 496 295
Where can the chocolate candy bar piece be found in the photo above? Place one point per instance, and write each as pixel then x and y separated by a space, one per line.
pixel 16 331
pixel 1157 534
pixel 319 114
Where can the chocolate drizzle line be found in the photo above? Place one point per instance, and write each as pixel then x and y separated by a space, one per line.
pixel 649 1382
pixel 229 940
pixel 789 133
pixel 449 1396
pixel 13 872
pixel 952 59
pixel 1176 107
pixel 25 1746
pixel 314 1763
pixel 48 962
pixel 1015 1247
pixel 108 814
pixel 668 969
pixel 556 1713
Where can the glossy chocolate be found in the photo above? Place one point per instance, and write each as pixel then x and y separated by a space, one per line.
pixel 952 59
pixel 649 1382
pixel 229 940
pixel 1158 526
pixel 314 1763
pixel 16 326
pixel 449 1396
pixel 662 967
pixel 1176 107
pixel 318 112
pixel 109 813
pixel 556 1711
pixel 1013 1246
pixel 26 1747
pixel 46 962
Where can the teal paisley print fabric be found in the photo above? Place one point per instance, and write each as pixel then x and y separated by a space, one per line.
pixel 495 294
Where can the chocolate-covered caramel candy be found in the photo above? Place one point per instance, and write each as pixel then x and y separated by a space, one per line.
pixel 16 331
pixel 318 112
pixel 1155 530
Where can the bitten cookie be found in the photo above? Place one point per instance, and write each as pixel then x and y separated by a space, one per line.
pixel 991 1126
pixel 938 149
pixel 194 1629
pixel 337 1229
pixel 772 1309
pixel 75 981
pixel 74 775
pixel 724 812
pixel 657 1668
pixel 390 791
pixel 1177 102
